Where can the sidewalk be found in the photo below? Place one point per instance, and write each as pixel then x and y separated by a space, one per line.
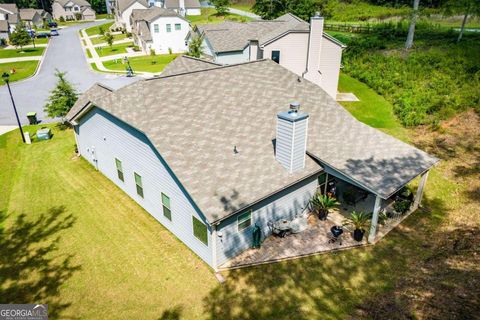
pixel 17 59
pixel 97 60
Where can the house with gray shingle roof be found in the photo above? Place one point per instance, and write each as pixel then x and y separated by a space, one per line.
pixel 212 152
pixel 31 17
pixel 183 7
pixel 301 47
pixel 123 10
pixel 159 29
pixel 72 10
pixel 9 12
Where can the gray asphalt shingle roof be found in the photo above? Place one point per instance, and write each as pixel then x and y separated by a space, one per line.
pixel 153 13
pixel 185 64
pixel 125 4
pixel 236 106
pixel 235 36
pixel 81 3
pixel 4 26
pixel 28 14
pixel 189 4
pixel 9 7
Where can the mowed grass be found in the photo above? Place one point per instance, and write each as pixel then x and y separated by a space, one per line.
pixel 114 49
pixel 372 108
pixel 70 238
pixel 96 29
pixel 209 15
pixel 116 37
pixel 25 52
pixel 142 64
pixel 23 69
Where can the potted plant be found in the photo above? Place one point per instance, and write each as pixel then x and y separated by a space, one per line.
pixel 322 203
pixel 360 221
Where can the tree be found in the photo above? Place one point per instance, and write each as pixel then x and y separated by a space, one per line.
pixel 101 30
pixel 465 7
pixel 62 97
pixel 411 28
pixel 195 48
pixel 20 36
pixel 304 9
pixel 108 37
pixel 221 6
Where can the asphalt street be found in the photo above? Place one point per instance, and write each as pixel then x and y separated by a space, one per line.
pixel 65 54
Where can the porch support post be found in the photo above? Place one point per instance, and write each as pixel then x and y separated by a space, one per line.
pixel 326 184
pixel 421 186
pixel 214 248
pixel 373 225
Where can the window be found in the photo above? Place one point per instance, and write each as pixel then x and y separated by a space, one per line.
pixel 156 29
pixel 200 230
pixel 138 182
pixel 178 26
pixel 276 56
pixel 244 220
pixel 118 163
pixel 169 27
pixel 166 207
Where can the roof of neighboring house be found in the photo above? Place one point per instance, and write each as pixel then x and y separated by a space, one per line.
pixel 4 26
pixel 42 12
pixel 13 18
pixel 125 4
pixel 87 8
pixel 153 13
pixel 189 4
pixel 235 36
pixel 184 64
pixel 9 7
pixel 28 14
pixel 81 3
pixel 236 105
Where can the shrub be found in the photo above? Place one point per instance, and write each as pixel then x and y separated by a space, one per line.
pixel 170 51
pixel 78 16
pixel 62 19
pixel 402 206
pixel 152 52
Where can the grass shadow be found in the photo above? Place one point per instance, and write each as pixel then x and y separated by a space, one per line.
pixel 31 271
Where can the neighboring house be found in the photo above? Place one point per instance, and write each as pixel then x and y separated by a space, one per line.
pixel 288 40
pixel 159 29
pixel 211 151
pixel 9 12
pixel 31 18
pixel 46 16
pixel 4 29
pixel 123 10
pixel 183 7
pixel 71 9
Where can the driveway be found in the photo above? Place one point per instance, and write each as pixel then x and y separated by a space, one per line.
pixel 65 54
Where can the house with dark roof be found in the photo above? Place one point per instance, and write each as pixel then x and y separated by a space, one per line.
pixel 73 10
pixel 247 146
pixel 9 12
pixel 123 10
pixel 299 46
pixel 159 29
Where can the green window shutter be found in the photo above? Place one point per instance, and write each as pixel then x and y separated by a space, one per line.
pixel 200 230
pixel 166 207
pixel 244 220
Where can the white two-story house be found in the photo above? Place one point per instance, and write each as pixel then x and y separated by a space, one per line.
pixel 123 10
pixel 299 46
pixel 159 29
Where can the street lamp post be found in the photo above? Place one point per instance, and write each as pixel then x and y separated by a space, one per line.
pixel 6 77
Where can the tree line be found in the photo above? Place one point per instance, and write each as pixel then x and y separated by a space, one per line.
pixel 97 5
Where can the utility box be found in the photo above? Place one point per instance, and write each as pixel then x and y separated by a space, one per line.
pixel 44 134
pixel 32 117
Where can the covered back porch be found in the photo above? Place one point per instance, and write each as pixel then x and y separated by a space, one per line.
pixel 317 237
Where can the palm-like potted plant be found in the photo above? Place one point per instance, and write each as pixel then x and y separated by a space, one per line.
pixel 322 203
pixel 360 221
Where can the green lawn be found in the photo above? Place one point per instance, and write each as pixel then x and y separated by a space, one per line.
pixel 116 37
pixel 115 49
pixel 25 52
pixel 209 16
pixel 104 16
pixel 242 6
pixel 23 69
pixel 149 63
pixel 95 30
pixel 89 54
pixel 94 67
pixel 42 40
pixel 372 108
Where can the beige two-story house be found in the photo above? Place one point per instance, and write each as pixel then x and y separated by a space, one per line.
pixel 72 10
